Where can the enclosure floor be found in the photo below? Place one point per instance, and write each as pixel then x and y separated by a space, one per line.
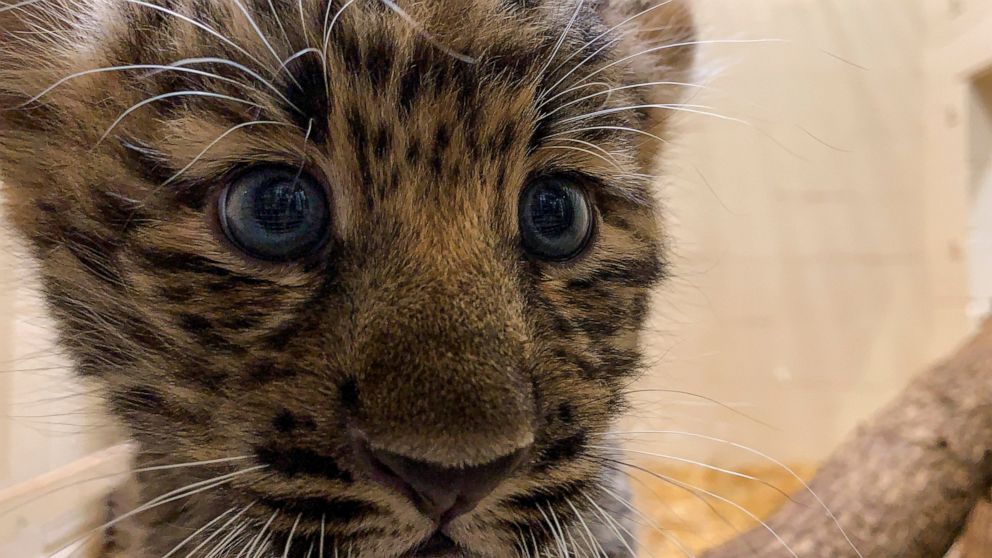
pixel 680 513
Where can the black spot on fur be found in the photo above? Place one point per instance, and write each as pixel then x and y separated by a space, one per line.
pixel 340 511
pixel 561 450
pixel 266 371
pixel 307 92
pixel 410 85
pixel 292 462
pixel 158 261
pixel 96 254
pixel 284 422
pixel 204 332
pixel 636 273
pixel 348 392
pixel 379 62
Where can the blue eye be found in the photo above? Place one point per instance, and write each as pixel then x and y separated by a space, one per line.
pixel 556 220
pixel 275 213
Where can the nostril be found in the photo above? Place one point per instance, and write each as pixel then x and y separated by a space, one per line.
pixel 441 493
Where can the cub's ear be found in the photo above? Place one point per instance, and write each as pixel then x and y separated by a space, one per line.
pixel 659 37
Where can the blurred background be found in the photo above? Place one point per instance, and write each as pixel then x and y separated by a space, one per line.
pixel 831 233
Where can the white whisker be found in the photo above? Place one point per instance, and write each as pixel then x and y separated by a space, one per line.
pixel 715 496
pixel 196 533
pixel 611 524
pixel 175 495
pixel 216 533
pixel 268 84
pixel 703 465
pixel 172 95
pixel 219 139
pixel 693 109
pixel 806 487
pixel 426 35
pixel 289 539
pixel 258 30
pixel 605 33
pixel 561 39
pixel 612 90
pixel 585 151
pixel 618 128
pixel 650 522
pixel 676 45
pixel 199 25
pixel 328 28
pixel 594 546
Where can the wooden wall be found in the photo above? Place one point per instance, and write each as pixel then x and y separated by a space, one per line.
pixel 820 248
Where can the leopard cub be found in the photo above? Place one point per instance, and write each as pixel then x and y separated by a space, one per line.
pixel 360 278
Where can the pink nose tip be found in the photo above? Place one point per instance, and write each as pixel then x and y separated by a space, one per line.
pixel 440 493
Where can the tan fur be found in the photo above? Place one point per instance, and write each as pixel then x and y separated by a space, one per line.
pixel 422 322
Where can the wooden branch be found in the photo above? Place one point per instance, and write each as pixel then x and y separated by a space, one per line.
pixel 904 483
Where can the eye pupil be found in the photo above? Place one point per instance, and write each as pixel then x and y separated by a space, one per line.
pixel 280 208
pixel 275 213
pixel 552 212
pixel 555 219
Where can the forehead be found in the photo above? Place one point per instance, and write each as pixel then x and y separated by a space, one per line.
pixel 380 98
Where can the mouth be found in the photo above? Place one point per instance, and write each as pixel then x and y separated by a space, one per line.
pixel 438 546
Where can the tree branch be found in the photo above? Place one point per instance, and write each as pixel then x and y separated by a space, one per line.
pixel 904 483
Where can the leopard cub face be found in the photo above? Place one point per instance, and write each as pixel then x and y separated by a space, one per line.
pixel 361 278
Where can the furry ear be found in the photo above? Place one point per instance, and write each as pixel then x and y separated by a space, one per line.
pixel 659 37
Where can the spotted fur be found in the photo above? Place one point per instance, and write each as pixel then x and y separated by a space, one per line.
pixel 422 320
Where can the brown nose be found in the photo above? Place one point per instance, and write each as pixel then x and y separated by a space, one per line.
pixel 441 493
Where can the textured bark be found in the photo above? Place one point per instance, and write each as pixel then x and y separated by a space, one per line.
pixel 904 483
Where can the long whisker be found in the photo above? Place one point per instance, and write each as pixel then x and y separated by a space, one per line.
pixel 612 90
pixel 806 487
pixel 258 30
pixel 582 63
pixel 426 35
pixel 702 465
pixel 328 28
pixel 664 532
pixel 217 532
pixel 605 33
pixel 227 541
pixel 594 546
pixel 267 83
pixel 196 533
pixel 677 45
pixel 250 548
pixel 219 139
pixel 693 109
pixel 713 495
pixel 618 128
pixel 717 402
pixel 126 67
pixel 559 541
pixel 289 539
pixel 561 39
pixel 609 156
pixel 611 524
pixel 585 151
pixel 41 495
pixel 164 96
pixel 178 494
pixel 213 32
